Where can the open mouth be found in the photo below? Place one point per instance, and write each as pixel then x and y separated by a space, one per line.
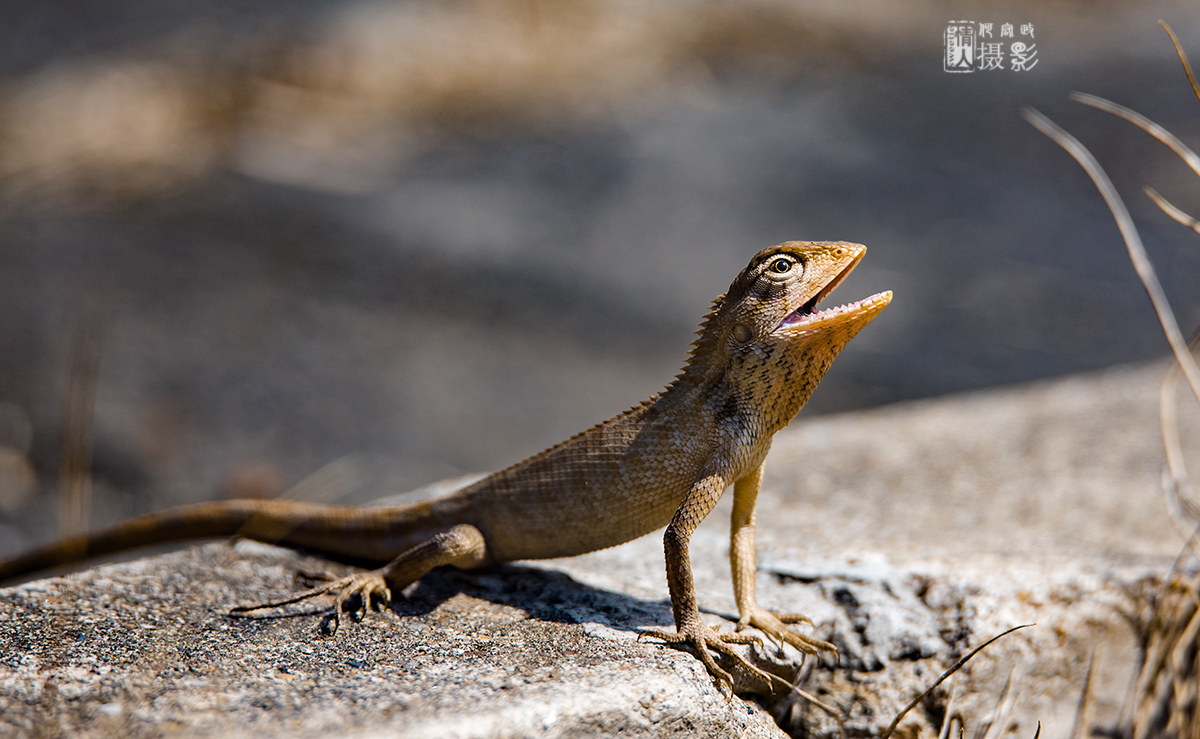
pixel 808 314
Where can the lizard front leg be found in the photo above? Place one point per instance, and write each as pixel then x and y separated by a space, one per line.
pixel 741 562
pixel 697 504
pixel 462 546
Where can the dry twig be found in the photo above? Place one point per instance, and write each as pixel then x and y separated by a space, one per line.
pixel 957 666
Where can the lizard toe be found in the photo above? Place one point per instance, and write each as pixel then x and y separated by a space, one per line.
pixel 355 593
pixel 705 640
pixel 775 627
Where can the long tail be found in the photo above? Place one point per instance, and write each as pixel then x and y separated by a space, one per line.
pixel 367 534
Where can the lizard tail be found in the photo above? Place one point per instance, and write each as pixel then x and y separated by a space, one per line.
pixel 368 534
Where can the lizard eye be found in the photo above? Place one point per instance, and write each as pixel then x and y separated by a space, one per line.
pixel 781 266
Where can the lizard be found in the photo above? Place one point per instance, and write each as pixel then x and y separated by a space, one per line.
pixel 759 353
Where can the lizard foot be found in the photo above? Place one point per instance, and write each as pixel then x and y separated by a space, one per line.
pixel 369 589
pixel 774 626
pixel 703 638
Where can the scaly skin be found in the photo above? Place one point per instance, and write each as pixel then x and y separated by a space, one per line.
pixel 759 354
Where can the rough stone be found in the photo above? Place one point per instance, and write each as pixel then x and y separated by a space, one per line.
pixel 145 648
pixel 910 534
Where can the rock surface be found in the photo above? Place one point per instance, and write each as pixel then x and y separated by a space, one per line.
pixel 144 648
pixel 910 534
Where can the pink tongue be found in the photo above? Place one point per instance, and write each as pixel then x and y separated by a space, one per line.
pixel 796 316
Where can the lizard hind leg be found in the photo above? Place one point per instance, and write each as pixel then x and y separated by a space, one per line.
pixel 462 546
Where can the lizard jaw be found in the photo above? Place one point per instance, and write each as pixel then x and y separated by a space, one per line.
pixel 808 315
pixel 805 318
pixel 808 308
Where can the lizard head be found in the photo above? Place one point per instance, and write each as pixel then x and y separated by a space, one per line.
pixel 774 300
pixel 766 337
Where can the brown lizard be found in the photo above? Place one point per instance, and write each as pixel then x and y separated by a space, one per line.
pixel 760 353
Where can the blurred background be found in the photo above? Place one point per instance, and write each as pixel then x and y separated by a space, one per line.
pixel 344 248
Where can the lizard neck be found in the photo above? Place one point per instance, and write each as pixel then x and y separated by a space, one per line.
pixel 762 386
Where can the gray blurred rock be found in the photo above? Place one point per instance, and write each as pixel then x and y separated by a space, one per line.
pixel 264 206
pixel 910 534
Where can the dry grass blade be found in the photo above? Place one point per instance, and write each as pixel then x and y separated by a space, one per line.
pixel 944 733
pixel 1167 689
pixel 985 727
pixel 1172 211
pixel 999 716
pixel 1178 487
pixel 331 482
pixel 818 703
pixel 1190 543
pixel 833 712
pixel 1081 709
pixel 1139 120
pixel 957 666
pixel 75 473
pixel 1187 68
pixel 1167 686
pixel 1179 493
pixel 1133 242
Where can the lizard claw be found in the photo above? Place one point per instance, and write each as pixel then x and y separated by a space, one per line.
pixel 794 618
pixel 369 589
pixel 773 625
pixel 703 638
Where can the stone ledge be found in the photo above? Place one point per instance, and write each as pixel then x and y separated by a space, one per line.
pixel 144 648
pixel 910 534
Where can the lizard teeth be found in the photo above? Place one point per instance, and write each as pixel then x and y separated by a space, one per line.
pixel 800 315
pixel 805 313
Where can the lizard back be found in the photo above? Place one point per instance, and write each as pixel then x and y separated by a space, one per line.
pixel 616 481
